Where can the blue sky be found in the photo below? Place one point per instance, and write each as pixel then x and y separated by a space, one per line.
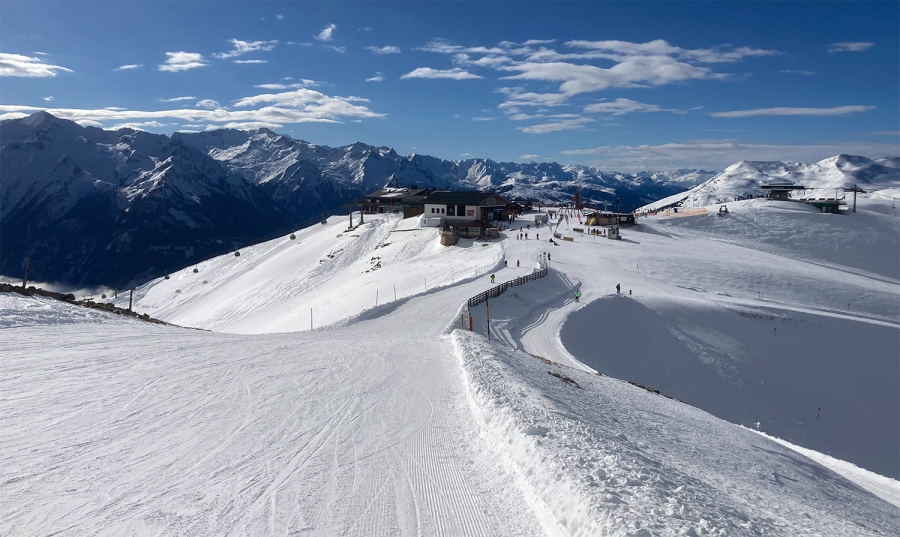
pixel 624 86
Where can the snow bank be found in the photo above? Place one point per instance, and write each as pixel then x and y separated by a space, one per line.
pixel 608 458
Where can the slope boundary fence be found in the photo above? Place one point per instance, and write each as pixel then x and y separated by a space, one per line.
pixel 498 290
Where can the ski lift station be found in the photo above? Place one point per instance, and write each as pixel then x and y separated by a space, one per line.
pixel 782 189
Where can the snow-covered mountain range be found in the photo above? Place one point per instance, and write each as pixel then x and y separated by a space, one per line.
pixel 92 206
pixel 741 180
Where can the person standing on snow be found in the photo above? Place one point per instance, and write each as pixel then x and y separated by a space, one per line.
pixel 492 278
pixel 577 295
pixel 517 263
pixel 617 289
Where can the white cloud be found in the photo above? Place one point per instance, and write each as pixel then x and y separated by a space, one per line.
pixel 239 47
pixel 39 53
pixel 25 66
pixel 129 67
pixel 249 61
pixel 364 29
pixel 279 16
pixel 299 44
pixel 633 72
pixel 529 157
pixel 298 106
pixel 137 125
pixel 304 83
pixel 177 99
pixel 795 72
pixel 384 50
pixel 464 154
pixel 855 46
pixel 246 125
pixel 182 61
pixel 453 74
pixel 788 111
pixel 719 154
pixel 516 97
pixel 48 98
pixel 621 106
pixel 696 107
pixel 325 34
pixel 208 103
pixel 342 50
pixel 564 125
pixel 483 118
pixel 379 77
pixel 89 123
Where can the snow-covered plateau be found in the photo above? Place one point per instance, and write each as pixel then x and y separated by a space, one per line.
pixel 744 381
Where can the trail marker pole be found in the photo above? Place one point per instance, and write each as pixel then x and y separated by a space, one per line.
pixel 25 279
pixel 376 298
pixel 426 283
pixel 395 292
pixel 310 319
pixel 130 299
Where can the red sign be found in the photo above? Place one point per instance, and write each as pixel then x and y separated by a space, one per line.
pixel 470 212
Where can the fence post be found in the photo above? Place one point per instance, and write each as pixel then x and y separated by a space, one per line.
pixel 487 307
pixel 130 298
pixel 310 319
pixel 376 298
pixel 395 292
pixel 25 279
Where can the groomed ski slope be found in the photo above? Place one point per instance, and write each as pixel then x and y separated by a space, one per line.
pixel 388 423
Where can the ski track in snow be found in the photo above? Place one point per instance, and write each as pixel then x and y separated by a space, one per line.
pixel 389 422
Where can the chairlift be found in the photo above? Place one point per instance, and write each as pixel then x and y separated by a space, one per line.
pixel 103 295
pixel 195 270
pixel 237 254
pixel 167 276
pixel 293 236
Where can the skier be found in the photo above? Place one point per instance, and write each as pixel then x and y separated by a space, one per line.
pixel 526 236
pixel 629 293
pixel 505 264
pixel 538 236
pixel 548 254
pixel 492 278
pixel 617 289
pixel 517 263
pixel 577 295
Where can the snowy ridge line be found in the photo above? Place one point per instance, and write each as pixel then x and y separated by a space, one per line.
pixel 882 486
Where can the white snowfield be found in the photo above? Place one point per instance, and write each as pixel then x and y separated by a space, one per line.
pixel 392 421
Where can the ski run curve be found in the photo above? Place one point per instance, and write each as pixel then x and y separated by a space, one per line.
pixel 392 421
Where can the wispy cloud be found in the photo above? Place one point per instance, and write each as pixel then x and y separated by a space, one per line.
pixel 249 61
pixel 342 50
pixel 453 74
pixel 298 106
pixel 788 111
pixel 304 83
pixel 853 46
pixel 718 154
pixel 39 53
pixel 555 126
pixel 621 106
pixel 209 104
pixel 379 77
pixel 364 29
pixel 239 47
pixel 48 98
pixel 529 157
pixel 138 125
pixel 177 99
pixel 483 118
pixel 384 50
pixel 26 66
pixel 797 72
pixel 182 61
pixel 464 154
pixel 129 67
pixel 325 34
pixel 279 16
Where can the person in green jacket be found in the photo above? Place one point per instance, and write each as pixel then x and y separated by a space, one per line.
pixel 577 295
pixel 492 278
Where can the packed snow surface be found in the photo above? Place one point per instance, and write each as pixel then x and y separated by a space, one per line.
pixel 387 419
